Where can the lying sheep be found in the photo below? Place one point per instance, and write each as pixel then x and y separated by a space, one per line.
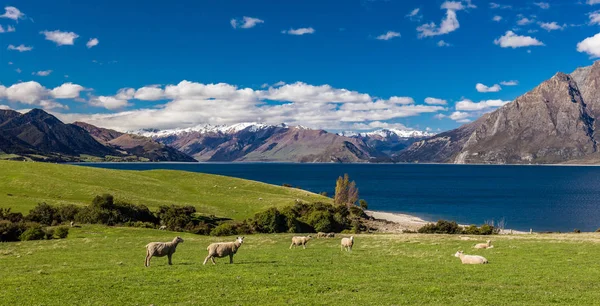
pixel 465 238
pixel 160 249
pixel 470 259
pixel 222 249
pixel 297 240
pixel 347 243
pixel 487 245
pixel 163 228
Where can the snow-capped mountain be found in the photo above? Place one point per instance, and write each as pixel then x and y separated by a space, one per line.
pixel 207 128
pixel 388 133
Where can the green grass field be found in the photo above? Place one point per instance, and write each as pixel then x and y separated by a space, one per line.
pixel 24 184
pixel 99 265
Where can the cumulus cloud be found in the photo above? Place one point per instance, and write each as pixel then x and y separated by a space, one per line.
pixel 594 17
pixel 67 91
pixel 60 38
pixel 551 26
pixel 592 2
pixel 13 13
pixel 389 35
pixel 42 73
pixel 497 18
pixel 487 105
pixel 510 83
pixel 590 45
pixel 300 31
pixel 542 5
pixel 435 101
pixel 111 103
pixel 524 21
pixel 149 93
pixel 245 23
pixel 483 88
pixel 442 43
pixel 92 43
pixel 20 48
pixel 460 116
pixel 512 40
pixel 8 29
pixel 33 93
pixel 449 23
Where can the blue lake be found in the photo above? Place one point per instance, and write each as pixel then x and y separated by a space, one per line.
pixel 544 198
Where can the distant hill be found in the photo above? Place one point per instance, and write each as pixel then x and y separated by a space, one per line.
pixel 37 135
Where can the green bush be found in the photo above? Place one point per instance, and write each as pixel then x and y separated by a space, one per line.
pixel 44 214
pixel 11 231
pixel 176 218
pixel 49 233
pixel 105 201
pixel 363 204
pixel 224 229
pixel 33 232
pixel 321 221
pixel 5 214
pixel 67 212
pixel 61 232
pixel 269 221
pixel 441 227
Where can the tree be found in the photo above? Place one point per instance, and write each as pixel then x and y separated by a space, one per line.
pixel 363 204
pixel 346 192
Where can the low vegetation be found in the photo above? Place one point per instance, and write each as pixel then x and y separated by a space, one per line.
pixel 451 227
pixel 106 266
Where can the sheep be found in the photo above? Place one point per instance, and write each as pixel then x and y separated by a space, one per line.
pixel 470 259
pixel 297 240
pixel 162 228
pixel 331 235
pixel 465 238
pixel 347 243
pixel 72 223
pixel 321 235
pixel 160 249
pixel 487 245
pixel 222 249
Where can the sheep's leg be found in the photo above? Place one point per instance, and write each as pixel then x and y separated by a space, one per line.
pixel 148 257
pixel 213 260
pixel 291 245
pixel 206 259
pixel 349 248
pixel 304 246
pixel 230 258
pixel 170 263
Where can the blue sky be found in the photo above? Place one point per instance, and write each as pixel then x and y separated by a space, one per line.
pixel 359 65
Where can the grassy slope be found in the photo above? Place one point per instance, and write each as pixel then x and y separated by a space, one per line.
pixel 104 266
pixel 24 184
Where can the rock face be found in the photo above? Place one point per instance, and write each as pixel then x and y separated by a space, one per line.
pixel 136 145
pixel 553 123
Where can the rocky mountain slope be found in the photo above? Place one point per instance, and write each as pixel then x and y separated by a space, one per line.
pixel 553 123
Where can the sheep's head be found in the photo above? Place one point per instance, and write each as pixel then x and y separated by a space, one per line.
pixel 351 238
pixel 240 240
pixel 178 239
pixel 309 237
pixel 458 253
pixel 489 242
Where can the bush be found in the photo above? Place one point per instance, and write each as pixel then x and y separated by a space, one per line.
pixel 105 201
pixel 67 212
pixel 33 232
pixel 321 221
pixel 223 229
pixel 61 232
pixel 441 227
pixel 577 231
pixel 11 231
pixel 363 204
pixel 5 214
pixel 200 229
pixel 176 218
pixel 49 233
pixel 269 221
pixel 44 214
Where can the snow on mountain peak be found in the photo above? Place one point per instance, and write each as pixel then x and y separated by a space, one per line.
pixel 207 128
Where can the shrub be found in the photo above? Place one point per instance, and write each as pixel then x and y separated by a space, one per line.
pixel 67 212
pixel 577 231
pixel 223 229
pixel 363 204
pixel 270 221
pixel 61 232
pixel 324 193
pixel 286 185
pixel 471 230
pixel 441 227
pixel 95 215
pixel 5 214
pixel 105 201
pixel 487 229
pixel 11 231
pixel 137 213
pixel 44 214
pixel 200 229
pixel 356 226
pixel 321 221
pixel 33 232
pixel 176 218
pixel 49 233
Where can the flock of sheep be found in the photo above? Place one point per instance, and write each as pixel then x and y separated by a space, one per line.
pixel 224 249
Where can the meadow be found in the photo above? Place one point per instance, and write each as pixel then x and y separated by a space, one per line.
pixel 25 184
pixel 98 265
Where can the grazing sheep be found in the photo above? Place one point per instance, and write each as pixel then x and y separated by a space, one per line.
pixel 222 249
pixel 347 243
pixel 160 249
pixel 487 245
pixel 297 240
pixel 331 235
pixel 321 235
pixel 470 259
pixel 163 228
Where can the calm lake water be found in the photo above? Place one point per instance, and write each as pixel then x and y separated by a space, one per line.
pixel 545 198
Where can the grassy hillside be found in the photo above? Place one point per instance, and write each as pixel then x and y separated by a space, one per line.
pixel 24 184
pixel 104 266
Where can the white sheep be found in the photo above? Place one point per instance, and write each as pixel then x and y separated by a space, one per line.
pixel 487 245
pixel 465 238
pixel 347 243
pixel 160 249
pixel 300 240
pixel 330 235
pixel 222 249
pixel 163 228
pixel 470 259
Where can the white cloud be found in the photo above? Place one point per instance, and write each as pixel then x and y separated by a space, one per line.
pixel 592 2
pixel 42 73
pixel 389 35
pixel 448 25
pixel 13 13
pixel 414 15
pixel 551 26
pixel 111 103
pixel 460 116
pixel 594 17
pixel 4 106
pixel 245 23
pixel 440 116
pixel 512 40
pixel 8 29
pixel 20 48
pixel 494 5
pixel 379 125
pixel 442 43
pixel 67 91
pixel 92 43
pixel 487 105
pixel 60 38
pixel 542 5
pixel 435 101
pixel 510 83
pixel 590 45
pixel 524 21
pixel 18 70
pixel 300 31
pixel 483 88
pixel 125 94
pixel 149 93
pixel 497 18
